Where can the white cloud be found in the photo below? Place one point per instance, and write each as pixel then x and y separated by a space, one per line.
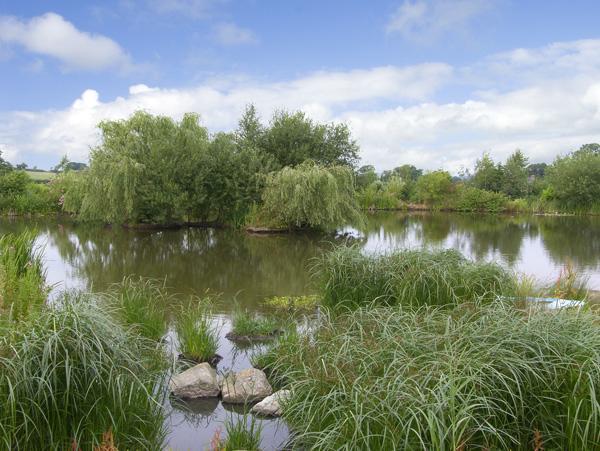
pixel 228 33
pixel 52 35
pixel 392 111
pixel 428 19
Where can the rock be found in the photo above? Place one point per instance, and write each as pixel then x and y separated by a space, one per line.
pixel 270 406
pixel 200 381
pixel 245 386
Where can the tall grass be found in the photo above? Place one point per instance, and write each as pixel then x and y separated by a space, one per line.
pixel 22 278
pixel 197 333
pixel 243 434
pixel 409 277
pixel 141 303
pixel 477 377
pixel 71 373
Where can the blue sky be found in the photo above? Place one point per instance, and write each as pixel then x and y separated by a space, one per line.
pixel 429 82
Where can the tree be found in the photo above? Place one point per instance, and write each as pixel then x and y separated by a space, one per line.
pixel 365 175
pixel 311 196
pixel 250 132
pixel 293 138
pixel 514 175
pixel 537 170
pixel 5 166
pixel 574 180
pixel 21 166
pixel 432 188
pixel 488 175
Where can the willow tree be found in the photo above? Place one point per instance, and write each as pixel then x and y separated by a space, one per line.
pixel 141 171
pixel 312 197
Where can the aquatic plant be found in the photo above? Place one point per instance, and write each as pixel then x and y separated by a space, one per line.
pixel 197 333
pixel 71 373
pixel 245 323
pixel 307 302
pixel 477 377
pixel 141 303
pixel 22 279
pixel 410 277
pixel 242 434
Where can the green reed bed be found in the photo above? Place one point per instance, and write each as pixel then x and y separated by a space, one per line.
pixel 241 434
pixel 141 303
pixel 22 280
pixel 350 278
pixel 476 377
pixel 70 374
pixel 197 332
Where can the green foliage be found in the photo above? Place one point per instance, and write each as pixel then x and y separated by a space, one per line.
pixel 574 180
pixel 433 188
pixel 141 303
pixel 311 196
pixel 514 175
pixel 410 277
pixel 383 195
pixel 293 138
pixel 13 183
pixel 488 175
pixel 5 166
pixel 293 303
pixel 483 377
pixel 365 176
pixel 197 333
pixel 71 374
pixel 478 200
pixel 22 282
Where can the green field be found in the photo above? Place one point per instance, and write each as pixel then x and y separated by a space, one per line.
pixel 41 176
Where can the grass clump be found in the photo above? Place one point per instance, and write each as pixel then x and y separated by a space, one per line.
pixel 197 333
pixel 409 277
pixel 478 377
pixel 241 434
pixel 141 303
pixel 71 373
pixel 247 324
pixel 22 281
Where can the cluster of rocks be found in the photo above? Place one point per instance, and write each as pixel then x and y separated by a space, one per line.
pixel 244 387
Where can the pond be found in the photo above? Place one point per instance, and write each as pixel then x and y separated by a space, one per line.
pixel 245 269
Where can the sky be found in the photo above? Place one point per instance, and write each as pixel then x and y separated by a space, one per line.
pixel 434 83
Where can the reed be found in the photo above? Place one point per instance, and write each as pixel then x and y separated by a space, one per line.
pixel 72 373
pixel 482 376
pixel 197 333
pixel 245 323
pixel 242 434
pixel 349 278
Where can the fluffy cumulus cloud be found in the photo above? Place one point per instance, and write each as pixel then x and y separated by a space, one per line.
pixel 51 35
pixel 427 19
pixel 392 111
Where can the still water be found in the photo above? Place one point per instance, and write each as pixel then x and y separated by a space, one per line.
pixel 245 269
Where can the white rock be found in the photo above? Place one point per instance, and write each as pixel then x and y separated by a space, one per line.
pixel 245 386
pixel 200 381
pixel 271 405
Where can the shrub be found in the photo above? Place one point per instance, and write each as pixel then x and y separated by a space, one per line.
pixel 483 377
pixel 311 196
pixel 478 200
pixel 410 277
pixel 197 334
pixel 72 373
pixel 433 188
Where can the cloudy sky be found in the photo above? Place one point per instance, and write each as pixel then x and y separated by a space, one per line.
pixel 429 82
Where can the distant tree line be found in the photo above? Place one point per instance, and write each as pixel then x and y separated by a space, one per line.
pixel 570 184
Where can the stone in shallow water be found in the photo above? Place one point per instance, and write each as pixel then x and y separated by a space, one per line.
pixel 245 386
pixel 200 381
pixel 270 406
